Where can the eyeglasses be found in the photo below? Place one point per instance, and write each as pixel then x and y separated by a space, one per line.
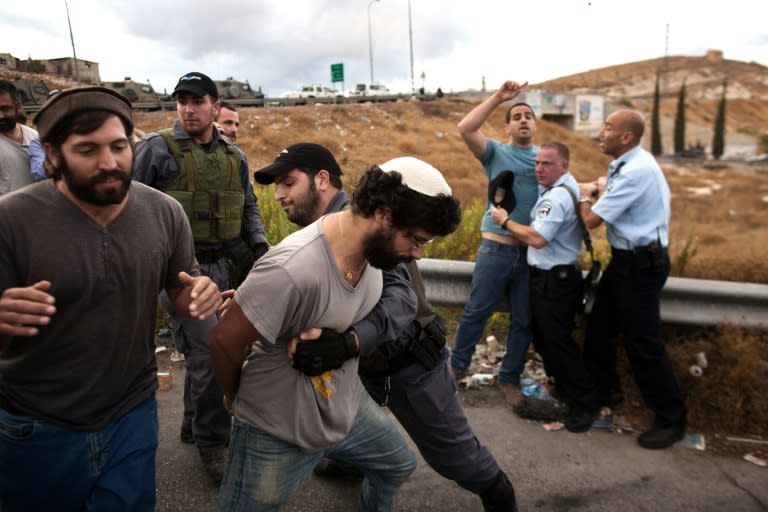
pixel 418 242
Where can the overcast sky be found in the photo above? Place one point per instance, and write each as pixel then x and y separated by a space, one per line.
pixel 281 44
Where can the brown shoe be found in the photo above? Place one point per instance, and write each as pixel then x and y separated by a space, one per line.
pixel 511 393
pixel 458 374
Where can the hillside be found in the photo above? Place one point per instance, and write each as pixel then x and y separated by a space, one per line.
pixel 632 84
pixel 722 207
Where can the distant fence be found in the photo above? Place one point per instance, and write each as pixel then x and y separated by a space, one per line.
pixel 683 301
pixel 275 102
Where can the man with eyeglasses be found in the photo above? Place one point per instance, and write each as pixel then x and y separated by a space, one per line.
pixel 404 361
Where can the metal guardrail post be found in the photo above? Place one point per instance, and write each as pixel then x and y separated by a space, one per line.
pixel 683 301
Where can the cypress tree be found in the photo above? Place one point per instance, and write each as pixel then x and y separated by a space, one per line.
pixel 656 122
pixel 718 140
pixel 680 121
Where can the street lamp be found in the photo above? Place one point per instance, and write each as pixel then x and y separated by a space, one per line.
pixel 410 38
pixel 370 41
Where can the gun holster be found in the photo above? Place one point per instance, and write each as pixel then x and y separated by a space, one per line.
pixel 427 346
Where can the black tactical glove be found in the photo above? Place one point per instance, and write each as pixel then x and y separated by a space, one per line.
pixel 328 352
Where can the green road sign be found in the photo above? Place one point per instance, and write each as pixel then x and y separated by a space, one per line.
pixel 337 72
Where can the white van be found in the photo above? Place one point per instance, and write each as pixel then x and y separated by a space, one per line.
pixel 369 90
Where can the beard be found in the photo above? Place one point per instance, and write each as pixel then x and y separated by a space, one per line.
pixel 380 252
pixel 7 124
pixel 304 210
pixel 86 191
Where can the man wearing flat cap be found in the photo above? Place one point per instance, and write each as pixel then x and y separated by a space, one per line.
pixel 296 402
pixel 208 174
pixel 82 257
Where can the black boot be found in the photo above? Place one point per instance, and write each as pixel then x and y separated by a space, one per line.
pixel 500 496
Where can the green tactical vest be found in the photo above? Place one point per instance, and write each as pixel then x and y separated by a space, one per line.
pixel 208 187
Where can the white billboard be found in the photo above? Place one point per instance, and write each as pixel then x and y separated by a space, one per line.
pixel 590 113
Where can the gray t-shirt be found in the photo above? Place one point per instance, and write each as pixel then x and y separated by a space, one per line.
pixel 95 361
pixel 294 287
pixel 15 171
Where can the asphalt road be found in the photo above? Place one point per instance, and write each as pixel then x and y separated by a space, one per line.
pixel 551 471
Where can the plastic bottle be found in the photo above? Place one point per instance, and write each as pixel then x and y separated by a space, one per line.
pixel 529 387
pixel 533 389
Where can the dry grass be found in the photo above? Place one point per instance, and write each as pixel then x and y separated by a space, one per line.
pixel 717 229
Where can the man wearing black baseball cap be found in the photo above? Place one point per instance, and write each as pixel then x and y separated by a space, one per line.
pixel 208 174
pixel 302 155
pixel 196 83
pixel 308 180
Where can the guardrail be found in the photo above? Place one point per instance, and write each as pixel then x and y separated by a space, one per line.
pixel 273 102
pixel 684 301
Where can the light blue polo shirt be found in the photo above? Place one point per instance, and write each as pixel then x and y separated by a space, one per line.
pixel 554 218
pixel 499 157
pixel 636 202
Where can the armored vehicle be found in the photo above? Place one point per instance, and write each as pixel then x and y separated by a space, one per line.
pixel 136 92
pixel 31 93
pixel 238 93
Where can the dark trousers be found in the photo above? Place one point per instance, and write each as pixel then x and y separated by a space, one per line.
pixel 628 302
pixel 555 295
pixel 426 403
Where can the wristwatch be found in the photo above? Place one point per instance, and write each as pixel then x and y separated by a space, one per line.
pixel 584 199
pixel 504 224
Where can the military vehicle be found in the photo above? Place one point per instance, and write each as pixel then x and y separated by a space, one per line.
pixel 136 92
pixel 238 93
pixel 31 93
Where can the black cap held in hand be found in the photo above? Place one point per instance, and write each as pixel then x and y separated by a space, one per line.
pixel 500 192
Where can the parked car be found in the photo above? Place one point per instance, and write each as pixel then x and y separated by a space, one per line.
pixel 759 160
pixel 361 90
pixel 308 93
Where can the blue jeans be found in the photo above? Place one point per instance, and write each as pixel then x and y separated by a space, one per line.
pixel 501 272
pixel 263 472
pixel 46 467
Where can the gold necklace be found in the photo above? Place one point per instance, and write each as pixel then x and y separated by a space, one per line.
pixel 350 274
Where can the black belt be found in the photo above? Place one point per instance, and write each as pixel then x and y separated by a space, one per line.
pixel 556 268
pixel 640 257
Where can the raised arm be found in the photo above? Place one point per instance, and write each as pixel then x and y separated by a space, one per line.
pixel 469 127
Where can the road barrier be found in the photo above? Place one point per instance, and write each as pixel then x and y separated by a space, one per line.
pixel 684 301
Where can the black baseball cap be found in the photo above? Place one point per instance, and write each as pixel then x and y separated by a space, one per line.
pixel 304 155
pixel 198 84
pixel 500 191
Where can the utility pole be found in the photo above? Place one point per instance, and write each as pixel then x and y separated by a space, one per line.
pixel 370 38
pixel 410 37
pixel 71 38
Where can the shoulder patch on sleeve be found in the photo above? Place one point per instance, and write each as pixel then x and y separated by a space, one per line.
pixel 543 210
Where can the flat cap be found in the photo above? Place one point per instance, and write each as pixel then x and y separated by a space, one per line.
pixel 79 99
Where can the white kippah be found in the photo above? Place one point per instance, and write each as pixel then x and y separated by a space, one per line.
pixel 418 175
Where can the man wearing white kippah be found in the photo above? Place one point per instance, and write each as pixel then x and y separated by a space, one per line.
pixel 298 398
pixel 403 357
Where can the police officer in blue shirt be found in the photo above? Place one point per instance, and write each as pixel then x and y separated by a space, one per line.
pixel 554 244
pixel 634 203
